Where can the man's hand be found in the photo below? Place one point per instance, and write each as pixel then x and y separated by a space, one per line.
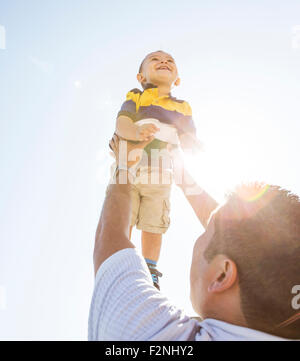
pixel 181 176
pixel 146 131
pixel 202 203
pixel 127 154
pixel 189 142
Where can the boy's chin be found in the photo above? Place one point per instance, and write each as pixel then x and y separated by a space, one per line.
pixel 162 81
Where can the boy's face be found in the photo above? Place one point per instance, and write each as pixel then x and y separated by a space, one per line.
pixel 158 68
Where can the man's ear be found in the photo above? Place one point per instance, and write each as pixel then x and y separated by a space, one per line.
pixel 177 82
pixel 225 275
pixel 140 77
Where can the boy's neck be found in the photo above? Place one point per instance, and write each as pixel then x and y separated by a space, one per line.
pixel 163 90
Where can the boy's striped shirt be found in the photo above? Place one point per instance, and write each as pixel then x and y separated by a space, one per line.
pixel 167 109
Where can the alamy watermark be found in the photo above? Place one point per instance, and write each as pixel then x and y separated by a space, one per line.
pixel 156 168
pixel 296 299
pixel 295 305
pixel 296 37
pixel 2 37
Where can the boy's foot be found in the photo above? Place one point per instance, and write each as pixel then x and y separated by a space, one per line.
pixel 154 274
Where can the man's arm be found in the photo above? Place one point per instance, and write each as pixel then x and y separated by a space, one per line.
pixel 190 142
pixel 124 284
pixel 112 233
pixel 202 203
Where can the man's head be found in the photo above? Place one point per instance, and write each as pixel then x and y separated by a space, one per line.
pixel 247 262
pixel 158 68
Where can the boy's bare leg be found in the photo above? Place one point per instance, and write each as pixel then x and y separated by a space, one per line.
pixel 151 245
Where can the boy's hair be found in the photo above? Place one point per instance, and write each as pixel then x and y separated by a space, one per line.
pixel 259 229
pixel 141 66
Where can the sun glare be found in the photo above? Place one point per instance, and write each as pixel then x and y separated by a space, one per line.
pixel 220 171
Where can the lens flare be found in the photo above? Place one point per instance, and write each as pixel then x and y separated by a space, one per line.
pixel 258 195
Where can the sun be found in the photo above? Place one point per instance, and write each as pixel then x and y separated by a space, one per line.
pixel 220 168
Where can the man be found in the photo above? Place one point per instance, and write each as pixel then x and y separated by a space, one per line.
pixel 243 271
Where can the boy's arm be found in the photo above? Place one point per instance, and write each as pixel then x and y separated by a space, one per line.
pixel 125 126
pixel 126 129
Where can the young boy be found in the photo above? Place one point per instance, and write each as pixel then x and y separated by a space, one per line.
pixel 170 123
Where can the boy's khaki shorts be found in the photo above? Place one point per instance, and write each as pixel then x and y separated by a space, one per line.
pixel 151 207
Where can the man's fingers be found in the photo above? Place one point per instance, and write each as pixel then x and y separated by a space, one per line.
pixel 114 142
pixel 112 145
pixel 115 138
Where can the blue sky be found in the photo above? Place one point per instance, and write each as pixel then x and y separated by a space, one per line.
pixel 64 74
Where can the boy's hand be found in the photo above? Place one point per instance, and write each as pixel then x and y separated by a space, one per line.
pixel 146 131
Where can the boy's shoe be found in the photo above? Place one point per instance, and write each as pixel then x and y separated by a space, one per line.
pixel 154 274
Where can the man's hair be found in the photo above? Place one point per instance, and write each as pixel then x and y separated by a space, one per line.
pixel 259 229
pixel 142 63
